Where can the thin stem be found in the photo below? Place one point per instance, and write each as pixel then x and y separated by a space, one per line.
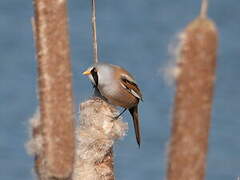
pixel 94 33
pixel 204 9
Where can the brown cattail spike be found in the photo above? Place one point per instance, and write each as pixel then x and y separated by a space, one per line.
pixel 56 127
pixel 193 101
pixel 95 136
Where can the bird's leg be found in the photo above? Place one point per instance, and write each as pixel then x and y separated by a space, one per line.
pixel 120 113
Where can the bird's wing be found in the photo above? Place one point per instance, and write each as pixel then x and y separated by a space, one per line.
pixel 131 86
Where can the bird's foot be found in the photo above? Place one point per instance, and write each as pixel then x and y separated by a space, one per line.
pixel 116 117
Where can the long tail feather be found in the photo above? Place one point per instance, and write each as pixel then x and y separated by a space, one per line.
pixel 136 123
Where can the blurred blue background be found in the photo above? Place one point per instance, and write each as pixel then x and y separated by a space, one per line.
pixel 134 34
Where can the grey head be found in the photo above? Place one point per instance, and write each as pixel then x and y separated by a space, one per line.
pixel 100 73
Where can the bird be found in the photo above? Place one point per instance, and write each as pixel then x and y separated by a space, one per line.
pixel 119 88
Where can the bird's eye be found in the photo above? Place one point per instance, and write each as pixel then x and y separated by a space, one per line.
pixel 93 70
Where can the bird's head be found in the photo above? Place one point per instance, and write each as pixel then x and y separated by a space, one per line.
pixel 92 73
pixel 100 73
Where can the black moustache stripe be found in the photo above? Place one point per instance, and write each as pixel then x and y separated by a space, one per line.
pixel 95 76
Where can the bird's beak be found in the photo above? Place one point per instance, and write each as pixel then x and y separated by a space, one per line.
pixel 87 72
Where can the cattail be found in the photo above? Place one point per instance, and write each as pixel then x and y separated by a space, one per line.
pixel 193 101
pixel 97 132
pixel 53 134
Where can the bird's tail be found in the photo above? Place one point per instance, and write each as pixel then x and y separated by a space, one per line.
pixel 136 123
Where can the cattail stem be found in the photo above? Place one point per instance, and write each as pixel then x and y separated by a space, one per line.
pixel 204 8
pixel 94 33
pixel 193 101
pixel 56 126
pixel 95 136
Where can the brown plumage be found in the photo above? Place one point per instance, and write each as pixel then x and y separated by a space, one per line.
pixel 119 87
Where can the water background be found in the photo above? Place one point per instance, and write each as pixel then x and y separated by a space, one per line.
pixel 134 34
